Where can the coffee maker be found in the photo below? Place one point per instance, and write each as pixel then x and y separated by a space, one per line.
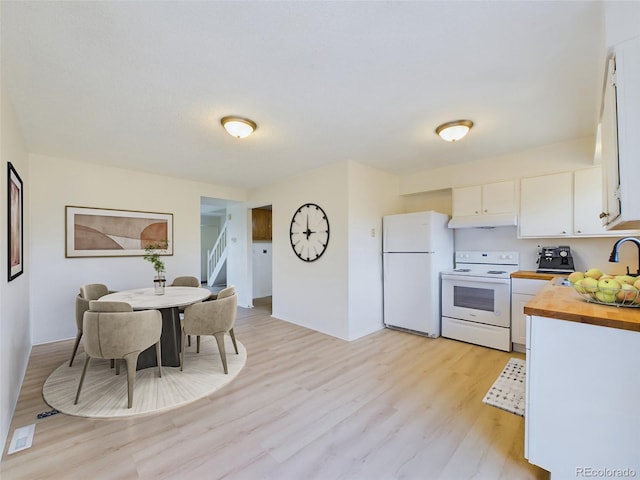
pixel 555 260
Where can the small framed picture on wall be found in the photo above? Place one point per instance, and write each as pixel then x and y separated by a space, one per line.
pixel 15 226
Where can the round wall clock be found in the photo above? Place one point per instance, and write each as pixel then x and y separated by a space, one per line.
pixel 309 232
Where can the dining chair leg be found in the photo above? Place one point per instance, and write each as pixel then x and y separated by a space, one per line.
pixel 198 344
pixel 75 347
pixel 233 339
pixel 132 360
pixel 189 337
pixel 182 350
pixel 223 353
pixel 117 366
pixel 159 358
pixel 84 372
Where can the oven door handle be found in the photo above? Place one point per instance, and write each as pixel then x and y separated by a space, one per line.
pixel 462 278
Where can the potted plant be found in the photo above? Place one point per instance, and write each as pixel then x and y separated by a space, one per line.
pixel 152 254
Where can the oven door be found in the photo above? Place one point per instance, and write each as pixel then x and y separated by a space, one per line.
pixel 477 299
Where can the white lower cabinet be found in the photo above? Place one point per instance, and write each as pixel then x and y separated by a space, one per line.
pixel 522 290
pixel 583 386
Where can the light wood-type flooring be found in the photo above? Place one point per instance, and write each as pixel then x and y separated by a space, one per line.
pixel 306 406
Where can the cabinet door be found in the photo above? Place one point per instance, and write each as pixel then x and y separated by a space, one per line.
pixel 587 202
pixel 261 222
pixel 546 205
pixel 467 201
pixel 518 318
pixel 498 197
pixel 609 147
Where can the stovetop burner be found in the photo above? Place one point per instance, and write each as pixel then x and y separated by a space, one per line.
pixel 485 264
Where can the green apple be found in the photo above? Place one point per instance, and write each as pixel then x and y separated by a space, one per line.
pixel 578 286
pixel 637 283
pixel 593 273
pixel 605 296
pixel 627 293
pixel 626 279
pixel 575 276
pixel 609 284
pixel 589 284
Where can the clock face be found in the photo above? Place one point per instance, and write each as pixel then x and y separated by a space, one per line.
pixel 309 232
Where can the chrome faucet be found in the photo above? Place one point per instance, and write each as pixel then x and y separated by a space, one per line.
pixel 614 252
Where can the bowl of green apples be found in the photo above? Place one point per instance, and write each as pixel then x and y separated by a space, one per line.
pixel 597 287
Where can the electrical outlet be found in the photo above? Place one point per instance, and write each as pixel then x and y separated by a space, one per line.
pixel 373 233
pixel 22 438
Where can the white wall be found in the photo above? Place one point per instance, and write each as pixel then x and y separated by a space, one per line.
pixel 56 279
pixel 372 194
pixel 311 294
pixel 587 252
pixel 622 21
pixel 239 268
pixel 15 329
pixel 341 293
pixel 557 157
pixel 262 269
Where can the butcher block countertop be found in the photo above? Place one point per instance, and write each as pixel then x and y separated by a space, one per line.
pixel 533 275
pixel 557 301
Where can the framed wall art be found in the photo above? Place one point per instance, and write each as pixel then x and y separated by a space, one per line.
pixel 100 232
pixel 15 226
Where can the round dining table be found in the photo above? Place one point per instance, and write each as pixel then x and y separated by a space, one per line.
pixel 168 304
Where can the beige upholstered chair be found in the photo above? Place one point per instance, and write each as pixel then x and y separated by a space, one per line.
pixel 92 291
pixel 215 317
pixel 113 330
pixel 185 282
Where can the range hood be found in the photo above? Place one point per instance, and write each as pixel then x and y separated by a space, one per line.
pixel 484 221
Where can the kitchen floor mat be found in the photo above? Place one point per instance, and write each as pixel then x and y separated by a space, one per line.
pixel 508 391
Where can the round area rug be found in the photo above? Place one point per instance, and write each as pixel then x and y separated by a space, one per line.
pixel 104 394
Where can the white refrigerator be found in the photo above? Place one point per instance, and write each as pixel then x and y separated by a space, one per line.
pixel 416 248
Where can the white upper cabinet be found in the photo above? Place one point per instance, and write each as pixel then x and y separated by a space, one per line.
pixel 620 142
pixel 546 205
pixel 587 201
pixel 488 199
pixel 467 201
pixel 564 204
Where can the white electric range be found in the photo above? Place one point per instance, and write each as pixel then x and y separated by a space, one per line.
pixel 476 298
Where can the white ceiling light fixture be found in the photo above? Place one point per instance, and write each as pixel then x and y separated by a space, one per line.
pixel 454 131
pixel 238 127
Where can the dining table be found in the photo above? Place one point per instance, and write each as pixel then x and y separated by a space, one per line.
pixel 168 304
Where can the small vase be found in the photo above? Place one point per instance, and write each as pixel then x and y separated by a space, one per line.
pixel 159 283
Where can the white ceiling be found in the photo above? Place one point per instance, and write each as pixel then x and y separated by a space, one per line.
pixel 143 85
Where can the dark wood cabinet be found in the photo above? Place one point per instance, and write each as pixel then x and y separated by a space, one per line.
pixel 261 224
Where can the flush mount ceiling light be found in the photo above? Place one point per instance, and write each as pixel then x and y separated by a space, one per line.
pixel 454 131
pixel 238 127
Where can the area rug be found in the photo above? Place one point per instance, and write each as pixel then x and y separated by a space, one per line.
pixel 508 391
pixel 104 394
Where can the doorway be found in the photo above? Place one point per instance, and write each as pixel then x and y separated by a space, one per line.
pixel 262 255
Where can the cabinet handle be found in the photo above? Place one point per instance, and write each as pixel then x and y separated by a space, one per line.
pixel 579 231
pixel 485 211
pixel 477 211
pixel 563 232
pixel 603 214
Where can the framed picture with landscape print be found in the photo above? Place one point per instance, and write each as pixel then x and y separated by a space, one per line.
pixel 101 232
pixel 15 228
